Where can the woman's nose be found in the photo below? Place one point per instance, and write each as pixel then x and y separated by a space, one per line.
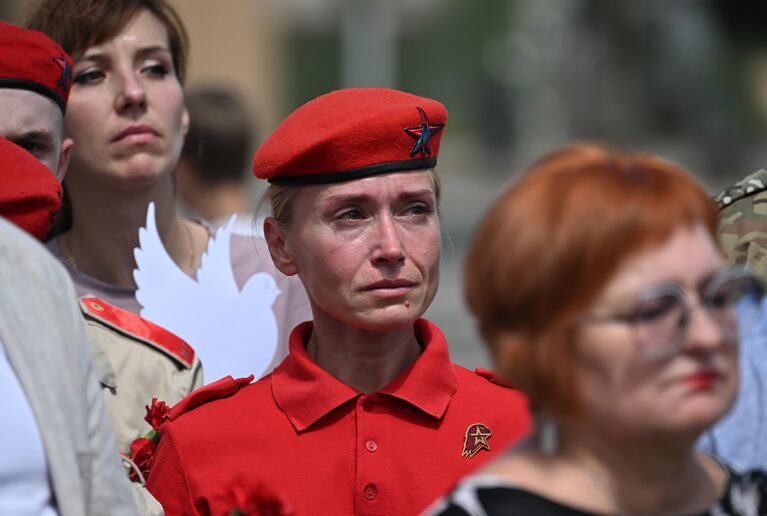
pixel 704 332
pixel 389 245
pixel 131 94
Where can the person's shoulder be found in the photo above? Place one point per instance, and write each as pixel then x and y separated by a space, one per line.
pixel 221 399
pixel 483 391
pixel 116 324
pixel 741 195
pixel 743 222
pixel 485 380
pixel 198 421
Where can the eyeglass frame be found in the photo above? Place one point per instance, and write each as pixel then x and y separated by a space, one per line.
pixel 704 301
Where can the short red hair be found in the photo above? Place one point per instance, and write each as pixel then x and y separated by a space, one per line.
pixel 552 242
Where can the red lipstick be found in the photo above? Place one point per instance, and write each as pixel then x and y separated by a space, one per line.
pixel 702 379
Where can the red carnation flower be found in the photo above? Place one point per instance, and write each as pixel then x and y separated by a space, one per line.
pixel 142 454
pixel 156 414
pixel 142 450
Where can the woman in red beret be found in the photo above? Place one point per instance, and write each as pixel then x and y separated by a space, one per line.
pixel 366 415
pixel 630 363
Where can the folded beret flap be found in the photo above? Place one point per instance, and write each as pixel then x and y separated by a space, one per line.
pixel 352 133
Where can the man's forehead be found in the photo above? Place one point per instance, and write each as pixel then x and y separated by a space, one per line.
pixel 22 94
pixel 24 110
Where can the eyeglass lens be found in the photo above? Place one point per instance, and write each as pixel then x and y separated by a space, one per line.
pixel 661 320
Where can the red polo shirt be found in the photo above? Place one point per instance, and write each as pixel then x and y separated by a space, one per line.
pixel 326 448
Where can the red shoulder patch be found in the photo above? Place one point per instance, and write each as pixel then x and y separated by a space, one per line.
pixel 492 376
pixel 219 389
pixel 487 374
pixel 139 328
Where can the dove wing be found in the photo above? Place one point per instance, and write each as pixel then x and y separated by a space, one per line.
pixel 215 275
pixel 167 295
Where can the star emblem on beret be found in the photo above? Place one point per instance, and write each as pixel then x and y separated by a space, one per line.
pixel 422 134
pixel 66 73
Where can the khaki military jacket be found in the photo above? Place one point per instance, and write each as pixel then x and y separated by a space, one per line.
pixel 136 361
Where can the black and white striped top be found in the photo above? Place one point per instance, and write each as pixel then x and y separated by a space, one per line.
pixel 486 495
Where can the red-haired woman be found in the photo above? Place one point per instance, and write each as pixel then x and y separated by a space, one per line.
pixel 599 285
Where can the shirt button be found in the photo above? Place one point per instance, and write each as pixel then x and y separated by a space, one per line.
pixel 367 405
pixel 371 445
pixel 370 492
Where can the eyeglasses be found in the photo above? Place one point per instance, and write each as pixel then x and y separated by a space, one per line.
pixel 662 314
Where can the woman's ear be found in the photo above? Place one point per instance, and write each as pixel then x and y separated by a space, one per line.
pixel 185 121
pixel 278 247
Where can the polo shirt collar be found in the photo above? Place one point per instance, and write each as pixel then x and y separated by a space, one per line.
pixel 305 392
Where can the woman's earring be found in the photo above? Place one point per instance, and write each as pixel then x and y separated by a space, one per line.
pixel 548 436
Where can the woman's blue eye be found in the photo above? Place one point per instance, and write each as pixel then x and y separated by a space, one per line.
pixel 419 210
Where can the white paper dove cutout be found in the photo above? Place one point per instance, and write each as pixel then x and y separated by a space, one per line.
pixel 233 332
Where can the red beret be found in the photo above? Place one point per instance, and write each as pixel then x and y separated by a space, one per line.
pixel 352 133
pixel 31 194
pixel 30 60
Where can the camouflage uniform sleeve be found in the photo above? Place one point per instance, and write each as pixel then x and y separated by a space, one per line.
pixel 743 222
